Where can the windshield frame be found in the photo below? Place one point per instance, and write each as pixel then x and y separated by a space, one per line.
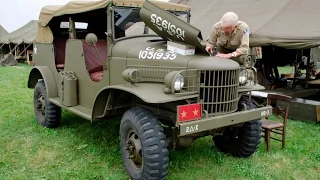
pixel 139 35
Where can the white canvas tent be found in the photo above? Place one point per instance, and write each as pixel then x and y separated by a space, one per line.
pixel 286 23
pixel 25 34
pixel 19 42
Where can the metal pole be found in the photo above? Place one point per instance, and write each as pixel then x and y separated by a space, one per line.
pixel 307 73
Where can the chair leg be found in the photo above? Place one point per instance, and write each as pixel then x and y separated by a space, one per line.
pixel 283 138
pixel 267 139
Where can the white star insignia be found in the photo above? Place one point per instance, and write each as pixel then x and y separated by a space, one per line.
pixel 35 50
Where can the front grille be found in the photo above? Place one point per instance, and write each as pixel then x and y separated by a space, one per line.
pixel 153 74
pixel 219 91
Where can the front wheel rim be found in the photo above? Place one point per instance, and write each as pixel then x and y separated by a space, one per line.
pixel 134 148
pixel 40 105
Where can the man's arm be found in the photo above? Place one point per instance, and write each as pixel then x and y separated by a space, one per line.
pixel 244 46
pixel 212 38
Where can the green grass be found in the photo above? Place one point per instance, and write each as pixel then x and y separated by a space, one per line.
pixel 81 150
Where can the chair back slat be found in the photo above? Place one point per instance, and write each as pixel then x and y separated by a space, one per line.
pixel 278 111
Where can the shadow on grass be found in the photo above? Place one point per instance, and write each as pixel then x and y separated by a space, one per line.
pixel 105 135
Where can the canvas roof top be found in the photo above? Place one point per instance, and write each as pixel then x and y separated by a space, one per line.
pixel 285 23
pixel 25 34
pixel 44 33
pixel 72 7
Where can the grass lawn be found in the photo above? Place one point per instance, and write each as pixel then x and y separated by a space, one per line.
pixel 81 150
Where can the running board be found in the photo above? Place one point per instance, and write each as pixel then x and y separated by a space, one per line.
pixel 81 111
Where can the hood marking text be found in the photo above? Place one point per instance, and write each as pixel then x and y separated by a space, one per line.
pixel 166 25
pixel 152 53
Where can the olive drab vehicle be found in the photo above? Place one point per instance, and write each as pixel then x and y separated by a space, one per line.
pixel 98 59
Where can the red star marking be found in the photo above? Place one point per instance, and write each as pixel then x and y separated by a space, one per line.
pixel 189 112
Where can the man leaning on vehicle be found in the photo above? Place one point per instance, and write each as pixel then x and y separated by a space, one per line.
pixel 230 36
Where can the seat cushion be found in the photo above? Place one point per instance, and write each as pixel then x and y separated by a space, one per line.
pixel 268 124
pixel 60 66
pixel 96 76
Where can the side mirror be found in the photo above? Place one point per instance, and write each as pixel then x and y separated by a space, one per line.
pixel 91 38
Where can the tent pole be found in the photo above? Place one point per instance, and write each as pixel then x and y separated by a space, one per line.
pixel 15 52
pixel 24 49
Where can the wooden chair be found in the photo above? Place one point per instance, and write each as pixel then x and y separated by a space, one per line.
pixel 269 126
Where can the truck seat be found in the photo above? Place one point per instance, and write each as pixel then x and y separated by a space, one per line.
pixel 93 62
pixel 60 66
pixel 60 52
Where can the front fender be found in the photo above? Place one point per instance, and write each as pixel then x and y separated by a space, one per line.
pixel 152 93
pixel 43 72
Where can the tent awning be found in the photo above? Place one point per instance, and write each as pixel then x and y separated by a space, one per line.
pixel 285 23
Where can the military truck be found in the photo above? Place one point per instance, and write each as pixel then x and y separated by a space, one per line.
pixel 100 59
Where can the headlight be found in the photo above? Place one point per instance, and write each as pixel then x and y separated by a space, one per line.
pixel 131 75
pixel 174 81
pixel 243 77
pixel 178 83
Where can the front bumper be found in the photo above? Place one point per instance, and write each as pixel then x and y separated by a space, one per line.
pixel 210 123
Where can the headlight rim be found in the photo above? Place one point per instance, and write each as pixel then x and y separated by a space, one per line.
pixel 249 78
pixel 246 77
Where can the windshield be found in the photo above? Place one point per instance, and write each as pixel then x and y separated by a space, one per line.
pixel 127 22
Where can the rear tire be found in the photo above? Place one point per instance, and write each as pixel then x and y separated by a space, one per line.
pixel 243 141
pixel 143 145
pixel 47 113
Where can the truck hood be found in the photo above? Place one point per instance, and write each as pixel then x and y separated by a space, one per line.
pixel 170 27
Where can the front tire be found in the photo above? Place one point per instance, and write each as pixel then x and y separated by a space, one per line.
pixel 47 113
pixel 143 145
pixel 242 141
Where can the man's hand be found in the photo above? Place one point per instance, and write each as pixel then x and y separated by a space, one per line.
pixel 227 56
pixel 209 49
